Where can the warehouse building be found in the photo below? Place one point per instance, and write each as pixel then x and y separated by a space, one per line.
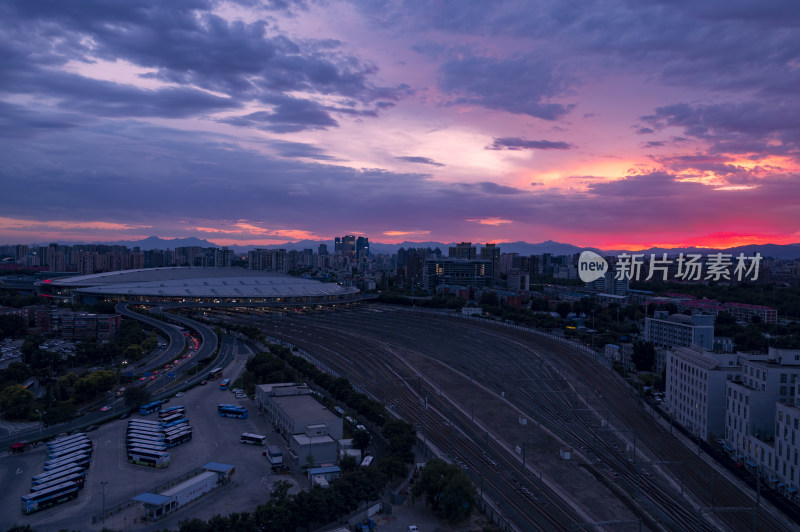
pixel 158 505
pixel 311 430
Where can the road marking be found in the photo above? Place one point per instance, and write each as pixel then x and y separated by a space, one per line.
pixel 19 471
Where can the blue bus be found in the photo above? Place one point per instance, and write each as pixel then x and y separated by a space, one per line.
pixel 224 384
pixel 180 421
pixel 171 417
pixel 239 412
pixel 40 500
pixel 149 408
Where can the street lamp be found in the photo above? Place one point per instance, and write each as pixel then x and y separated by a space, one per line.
pixel 104 483
pixel 40 421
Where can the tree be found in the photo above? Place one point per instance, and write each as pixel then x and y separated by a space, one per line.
pixel 447 489
pixel 489 298
pixel 17 372
pixel 348 463
pixel 16 401
pixel 31 347
pixel 280 490
pixel 133 352
pixel 361 440
pixel 58 413
pixel 644 355
pixel 563 308
pixel 136 396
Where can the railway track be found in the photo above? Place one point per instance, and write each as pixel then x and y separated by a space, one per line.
pixel 562 389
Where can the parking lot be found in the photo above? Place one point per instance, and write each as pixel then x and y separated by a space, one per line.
pixel 215 439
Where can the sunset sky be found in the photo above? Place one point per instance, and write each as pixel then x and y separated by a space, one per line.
pixel 611 124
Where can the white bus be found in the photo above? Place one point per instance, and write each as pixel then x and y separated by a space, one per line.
pixel 78 478
pixel 253 439
pixel 53 474
pixel 63 451
pixel 79 459
pixel 144 422
pixel 178 438
pixel 50 497
pixel 155 436
pixel 158 459
pixel 147 447
pixel 66 439
pixel 274 455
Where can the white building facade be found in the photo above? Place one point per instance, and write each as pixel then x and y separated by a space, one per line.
pixel 761 414
pixel 695 389
pixel 680 330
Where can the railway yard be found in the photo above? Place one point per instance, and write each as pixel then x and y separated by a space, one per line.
pixel 505 403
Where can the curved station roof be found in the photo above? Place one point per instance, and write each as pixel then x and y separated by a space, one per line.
pixel 210 285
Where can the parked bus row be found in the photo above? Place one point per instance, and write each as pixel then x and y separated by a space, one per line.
pixel 144 442
pixel 64 475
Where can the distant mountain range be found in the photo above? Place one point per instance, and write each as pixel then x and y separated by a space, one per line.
pixel 786 251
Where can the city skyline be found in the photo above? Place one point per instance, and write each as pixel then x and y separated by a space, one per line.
pixel 608 125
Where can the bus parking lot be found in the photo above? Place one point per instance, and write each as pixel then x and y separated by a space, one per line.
pixel 215 439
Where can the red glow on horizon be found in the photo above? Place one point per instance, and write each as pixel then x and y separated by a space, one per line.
pixel 713 241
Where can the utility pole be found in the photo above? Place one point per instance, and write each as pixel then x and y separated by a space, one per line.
pixel 104 483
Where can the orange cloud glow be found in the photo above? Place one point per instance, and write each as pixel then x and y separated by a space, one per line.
pixel 490 221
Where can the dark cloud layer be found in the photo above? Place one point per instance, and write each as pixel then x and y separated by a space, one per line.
pixel 518 85
pixel 516 143
pixel 183 44
pixel 195 175
pixel 419 160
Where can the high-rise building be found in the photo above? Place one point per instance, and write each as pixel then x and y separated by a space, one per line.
pixel 464 250
pixel 465 272
pixel 362 247
pixel 492 252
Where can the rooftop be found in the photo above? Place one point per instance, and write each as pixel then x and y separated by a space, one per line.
pixel 224 283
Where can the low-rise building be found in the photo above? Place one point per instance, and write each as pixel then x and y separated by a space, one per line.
pixel 679 330
pixel 309 428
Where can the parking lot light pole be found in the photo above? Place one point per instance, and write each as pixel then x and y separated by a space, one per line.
pixel 104 483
